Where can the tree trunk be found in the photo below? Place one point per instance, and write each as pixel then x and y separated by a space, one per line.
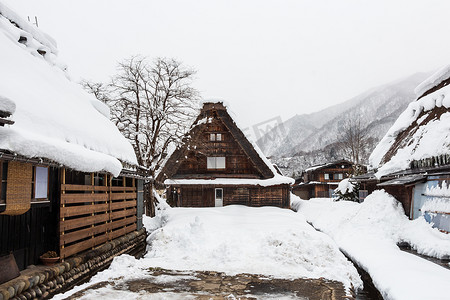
pixel 149 199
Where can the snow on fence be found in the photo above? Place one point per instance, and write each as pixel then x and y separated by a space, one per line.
pixel 95 213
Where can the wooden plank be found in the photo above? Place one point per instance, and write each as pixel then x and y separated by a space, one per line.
pixel 123 188
pixel 83 233
pixel 84 245
pixel 123 213
pixel 124 204
pixel 73 211
pixel 123 196
pixel 76 248
pixel 123 222
pixel 81 198
pixel 77 187
pixel 122 231
pixel 81 222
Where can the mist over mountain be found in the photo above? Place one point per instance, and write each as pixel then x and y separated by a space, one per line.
pixel 310 139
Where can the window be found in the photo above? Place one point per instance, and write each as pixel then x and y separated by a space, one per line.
pixel 215 162
pixel 327 176
pixel 215 137
pixel 338 176
pixel 3 174
pixel 39 184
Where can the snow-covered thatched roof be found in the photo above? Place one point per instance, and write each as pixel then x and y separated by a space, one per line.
pixel 54 117
pixel 421 132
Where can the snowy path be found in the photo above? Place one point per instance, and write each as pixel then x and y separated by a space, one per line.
pixel 368 233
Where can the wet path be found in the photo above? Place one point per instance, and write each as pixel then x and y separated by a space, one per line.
pixel 168 284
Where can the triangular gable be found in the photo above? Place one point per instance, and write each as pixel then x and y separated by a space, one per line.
pixel 220 112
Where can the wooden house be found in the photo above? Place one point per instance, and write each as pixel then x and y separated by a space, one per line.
pixel 412 161
pixel 69 180
pixel 217 165
pixel 320 181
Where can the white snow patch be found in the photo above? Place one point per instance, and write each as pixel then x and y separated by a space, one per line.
pixel 7 105
pixel 432 81
pixel 368 233
pixel 344 187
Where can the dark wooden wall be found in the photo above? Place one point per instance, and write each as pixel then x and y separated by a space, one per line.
pixel 203 196
pixel 238 165
pixel 31 234
pixel 403 195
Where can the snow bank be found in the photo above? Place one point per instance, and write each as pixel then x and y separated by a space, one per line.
pixel 431 139
pixel 54 117
pixel 239 239
pixel 368 233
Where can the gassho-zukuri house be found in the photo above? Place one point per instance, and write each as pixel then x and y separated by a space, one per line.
pixel 412 161
pixel 69 179
pixel 217 165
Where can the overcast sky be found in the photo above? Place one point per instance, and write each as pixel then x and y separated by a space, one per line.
pixel 265 58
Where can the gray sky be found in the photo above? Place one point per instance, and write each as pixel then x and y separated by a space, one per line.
pixel 265 58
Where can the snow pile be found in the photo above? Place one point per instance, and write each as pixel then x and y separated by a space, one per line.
pixel 431 139
pixel 239 239
pixel 31 39
pixel 344 187
pixel 369 233
pixel 54 117
pixel 7 106
pixel 434 80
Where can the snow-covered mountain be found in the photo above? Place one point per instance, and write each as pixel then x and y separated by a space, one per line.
pixel 309 139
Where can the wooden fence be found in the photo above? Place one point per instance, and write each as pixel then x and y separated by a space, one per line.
pixel 91 215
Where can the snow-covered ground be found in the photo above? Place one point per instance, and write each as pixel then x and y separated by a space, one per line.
pixel 369 233
pixel 234 239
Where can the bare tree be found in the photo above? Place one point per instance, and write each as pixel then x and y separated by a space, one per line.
pixel 354 141
pixel 152 104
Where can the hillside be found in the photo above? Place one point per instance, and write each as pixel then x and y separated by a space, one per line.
pixel 309 139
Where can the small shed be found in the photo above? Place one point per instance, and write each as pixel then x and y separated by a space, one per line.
pixel 217 165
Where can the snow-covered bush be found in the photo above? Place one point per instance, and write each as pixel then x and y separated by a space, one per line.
pixel 347 190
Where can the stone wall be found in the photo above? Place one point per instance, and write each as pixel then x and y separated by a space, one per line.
pixel 42 282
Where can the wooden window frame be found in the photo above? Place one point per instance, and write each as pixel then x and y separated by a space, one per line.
pixel 33 186
pixel 215 137
pixel 214 167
